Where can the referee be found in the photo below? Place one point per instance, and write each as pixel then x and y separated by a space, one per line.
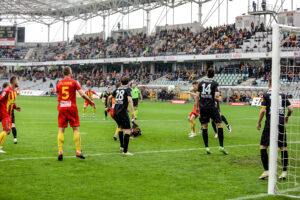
pixel 136 93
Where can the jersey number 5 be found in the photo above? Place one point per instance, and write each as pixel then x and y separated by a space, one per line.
pixel 65 93
pixel 206 89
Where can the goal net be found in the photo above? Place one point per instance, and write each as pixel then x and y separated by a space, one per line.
pixel 285 80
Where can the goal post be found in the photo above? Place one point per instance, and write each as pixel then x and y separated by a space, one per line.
pixel 290 86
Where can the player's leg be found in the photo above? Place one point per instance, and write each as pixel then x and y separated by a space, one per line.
pixel 118 119
pixel 282 144
pixel 13 129
pixel 84 109
pixel 105 113
pixel 126 126
pixel 205 137
pixel 77 141
pixel 94 111
pixel 136 112
pixel 226 122
pixel 264 143
pixel 213 124
pixel 6 124
pixel 116 134
pixel 192 119
pixel 221 138
pixel 60 142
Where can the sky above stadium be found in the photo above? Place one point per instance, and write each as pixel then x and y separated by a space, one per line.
pixel 39 33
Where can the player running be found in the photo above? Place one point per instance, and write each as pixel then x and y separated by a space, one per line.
pixel 136 93
pixel 7 104
pixel 111 105
pixel 67 110
pixel 194 114
pixel 90 94
pixel 123 98
pixel 104 96
pixel 208 94
pixel 265 137
pixel 223 120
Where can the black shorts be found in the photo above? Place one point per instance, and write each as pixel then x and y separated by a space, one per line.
pixel 265 137
pixel 135 102
pixel 122 120
pixel 13 117
pixel 210 113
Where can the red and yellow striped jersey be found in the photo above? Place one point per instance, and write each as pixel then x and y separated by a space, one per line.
pixel 90 94
pixel 7 102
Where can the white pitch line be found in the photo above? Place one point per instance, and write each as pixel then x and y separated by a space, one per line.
pixel 142 152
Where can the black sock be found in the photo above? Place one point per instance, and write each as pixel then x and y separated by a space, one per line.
pixel 284 160
pixel 105 114
pixel 224 119
pixel 205 137
pixel 14 132
pixel 121 138
pixel 264 158
pixel 213 124
pixel 126 142
pixel 221 136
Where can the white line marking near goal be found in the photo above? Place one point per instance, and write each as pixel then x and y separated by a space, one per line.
pixel 83 133
pixel 142 152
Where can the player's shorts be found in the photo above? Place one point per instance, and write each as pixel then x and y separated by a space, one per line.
pixel 122 120
pixel 66 117
pixel 13 117
pixel 194 113
pixel 6 124
pixel 135 102
pixel 210 113
pixel 87 103
pixel 265 137
pixel 111 112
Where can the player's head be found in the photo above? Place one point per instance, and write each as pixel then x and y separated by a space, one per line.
pixel 125 81
pixel 210 73
pixel 270 82
pixel 118 85
pixel 108 89
pixel 89 88
pixel 133 85
pixel 14 81
pixel 195 85
pixel 5 85
pixel 67 71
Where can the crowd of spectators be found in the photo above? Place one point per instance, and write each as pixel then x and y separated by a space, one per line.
pixel 14 53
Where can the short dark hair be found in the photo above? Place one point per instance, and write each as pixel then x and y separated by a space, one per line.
pixel 12 79
pixel 66 71
pixel 118 84
pixel 210 73
pixel 195 83
pixel 125 81
pixel 5 84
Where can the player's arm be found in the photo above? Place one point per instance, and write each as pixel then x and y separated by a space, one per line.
pixel 218 97
pixel 192 93
pixel 17 108
pixel 131 106
pixel 290 111
pixel 141 96
pixel 95 94
pixel 84 96
pixel 197 97
pixel 108 101
pixel 261 116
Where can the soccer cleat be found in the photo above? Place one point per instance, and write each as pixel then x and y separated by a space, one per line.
pixel 127 154
pixel 115 137
pixel 193 135
pixel 264 175
pixel 216 135
pixel 121 149
pixel 1 150
pixel 94 116
pixel 229 128
pixel 60 156
pixel 15 141
pixel 83 116
pixel 283 175
pixel 222 149
pixel 79 155
pixel 207 150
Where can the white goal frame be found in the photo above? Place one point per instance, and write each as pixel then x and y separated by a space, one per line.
pixel 276 56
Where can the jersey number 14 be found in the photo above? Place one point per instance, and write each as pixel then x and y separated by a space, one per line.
pixel 206 89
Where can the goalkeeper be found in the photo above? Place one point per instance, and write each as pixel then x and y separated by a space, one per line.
pixel 265 137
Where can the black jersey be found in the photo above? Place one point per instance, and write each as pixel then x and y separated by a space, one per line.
pixel 121 99
pixel 207 90
pixel 105 95
pixel 283 104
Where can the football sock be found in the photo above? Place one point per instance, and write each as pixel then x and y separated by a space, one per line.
pixel 213 124
pixel 205 137
pixel 105 112
pixel 60 140
pixel 284 160
pixel 264 159
pixel 126 142
pixel 117 131
pixel 2 137
pixel 14 132
pixel 193 127
pixel 94 111
pixel 136 112
pixel 77 140
pixel 84 111
pixel 224 119
pixel 121 138
pixel 221 136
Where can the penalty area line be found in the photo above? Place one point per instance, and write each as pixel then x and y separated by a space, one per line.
pixel 142 152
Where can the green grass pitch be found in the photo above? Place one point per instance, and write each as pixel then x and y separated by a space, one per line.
pixel 166 165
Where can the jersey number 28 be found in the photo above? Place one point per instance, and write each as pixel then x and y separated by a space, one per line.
pixel 120 95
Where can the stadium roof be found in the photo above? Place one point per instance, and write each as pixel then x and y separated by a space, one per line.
pixel 37 10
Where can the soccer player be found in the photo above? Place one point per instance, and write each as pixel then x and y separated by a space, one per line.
pixel 111 104
pixel 194 114
pixel 265 137
pixel 7 104
pixel 67 110
pixel 90 94
pixel 104 97
pixel 208 93
pixel 136 93
pixel 123 98
pixel 223 120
